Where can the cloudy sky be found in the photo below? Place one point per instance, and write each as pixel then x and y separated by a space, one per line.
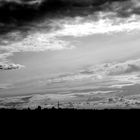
pixel 69 46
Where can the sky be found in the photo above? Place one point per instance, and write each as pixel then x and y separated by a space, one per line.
pixel 69 47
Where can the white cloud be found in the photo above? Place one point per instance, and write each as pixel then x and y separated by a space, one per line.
pixel 5 64
pixel 105 24
pixel 33 43
pixel 38 42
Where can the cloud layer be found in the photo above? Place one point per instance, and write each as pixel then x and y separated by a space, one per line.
pixel 108 75
pixel 47 22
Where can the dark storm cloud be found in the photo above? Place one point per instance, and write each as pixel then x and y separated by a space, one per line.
pixel 16 14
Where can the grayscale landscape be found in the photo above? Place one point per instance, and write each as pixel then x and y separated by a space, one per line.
pixel 70 54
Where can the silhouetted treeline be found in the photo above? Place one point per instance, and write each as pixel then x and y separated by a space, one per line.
pixel 57 110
